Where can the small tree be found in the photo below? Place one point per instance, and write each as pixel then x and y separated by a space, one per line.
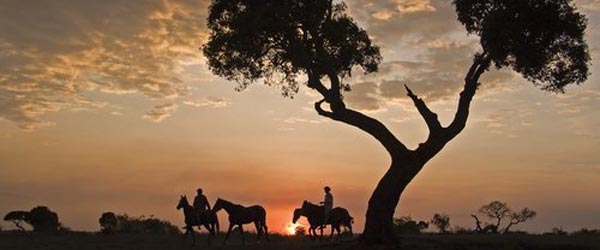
pixel 442 222
pixel 495 210
pixel 108 223
pixel 518 217
pixel 17 218
pixel 498 211
pixel 43 220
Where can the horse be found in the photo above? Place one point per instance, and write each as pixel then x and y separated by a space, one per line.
pixel 240 215
pixel 208 219
pixel 316 215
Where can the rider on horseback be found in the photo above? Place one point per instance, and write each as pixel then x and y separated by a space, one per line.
pixel 327 203
pixel 201 204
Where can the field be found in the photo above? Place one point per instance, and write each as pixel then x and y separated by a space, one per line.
pixel 84 241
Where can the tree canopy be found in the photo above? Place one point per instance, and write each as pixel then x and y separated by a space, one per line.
pixel 543 40
pixel 278 40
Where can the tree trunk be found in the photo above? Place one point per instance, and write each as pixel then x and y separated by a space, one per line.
pixel 379 227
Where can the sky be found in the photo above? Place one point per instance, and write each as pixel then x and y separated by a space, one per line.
pixel 109 106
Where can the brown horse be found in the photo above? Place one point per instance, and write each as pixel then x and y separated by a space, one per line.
pixel 316 218
pixel 240 215
pixel 208 219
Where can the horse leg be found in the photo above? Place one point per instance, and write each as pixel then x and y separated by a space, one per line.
pixel 242 232
pixel 191 231
pixel 331 234
pixel 228 232
pixel 258 230
pixel 321 228
pixel 210 233
pixel 266 231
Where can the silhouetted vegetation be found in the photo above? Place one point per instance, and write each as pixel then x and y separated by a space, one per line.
pixel 441 222
pixel 499 212
pixel 123 223
pixel 108 223
pixel 280 40
pixel 40 218
pixel 406 225
pixel 17 218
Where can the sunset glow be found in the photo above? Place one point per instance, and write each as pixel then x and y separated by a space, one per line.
pixel 110 106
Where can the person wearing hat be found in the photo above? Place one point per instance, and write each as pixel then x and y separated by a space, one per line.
pixel 327 202
pixel 201 204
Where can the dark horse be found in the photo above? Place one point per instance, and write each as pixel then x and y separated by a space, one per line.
pixel 208 219
pixel 316 218
pixel 240 215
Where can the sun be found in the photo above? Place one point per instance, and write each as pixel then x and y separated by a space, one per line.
pixel 290 228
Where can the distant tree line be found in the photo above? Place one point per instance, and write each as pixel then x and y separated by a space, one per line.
pixel 498 212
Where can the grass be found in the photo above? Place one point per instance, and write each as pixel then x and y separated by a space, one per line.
pixel 85 241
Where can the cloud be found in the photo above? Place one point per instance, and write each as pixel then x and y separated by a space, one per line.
pixel 60 50
pixel 160 112
pixel 209 102
pixel 412 6
pixel 588 5
pixel 436 75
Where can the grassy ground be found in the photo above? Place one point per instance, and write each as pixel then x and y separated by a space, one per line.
pixel 85 241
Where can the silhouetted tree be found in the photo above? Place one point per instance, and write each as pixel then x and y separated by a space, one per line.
pixel 518 217
pixel 17 218
pixel 43 220
pixel 108 223
pixel 495 210
pixel 280 40
pixel 406 225
pixel 499 212
pixel 442 222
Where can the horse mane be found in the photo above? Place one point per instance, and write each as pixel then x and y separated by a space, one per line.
pixel 229 203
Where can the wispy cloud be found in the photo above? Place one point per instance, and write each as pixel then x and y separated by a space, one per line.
pixel 209 102
pixel 160 112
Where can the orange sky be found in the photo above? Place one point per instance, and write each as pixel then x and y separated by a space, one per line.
pixel 95 119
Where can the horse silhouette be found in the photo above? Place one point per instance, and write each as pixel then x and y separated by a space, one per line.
pixel 240 215
pixel 316 218
pixel 208 219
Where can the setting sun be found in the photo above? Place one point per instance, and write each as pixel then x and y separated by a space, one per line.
pixel 291 228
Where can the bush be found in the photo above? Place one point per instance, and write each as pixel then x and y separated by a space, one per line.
pixel 406 225
pixel 123 223
pixel 108 223
pixel 43 220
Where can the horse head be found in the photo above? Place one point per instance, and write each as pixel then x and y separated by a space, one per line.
pixel 183 202
pixel 297 214
pixel 304 204
pixel 218 205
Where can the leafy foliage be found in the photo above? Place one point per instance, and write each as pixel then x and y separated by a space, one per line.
pixel 280 39
pixel 541 39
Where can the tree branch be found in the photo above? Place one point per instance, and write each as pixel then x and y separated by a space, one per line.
pixel 439 136
pixel 429 116
pixel 481 64
pixel 370 125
